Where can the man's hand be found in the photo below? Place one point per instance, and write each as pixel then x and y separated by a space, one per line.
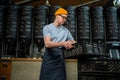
pixel 68 44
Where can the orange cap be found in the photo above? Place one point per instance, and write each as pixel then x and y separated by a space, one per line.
pixel 61 11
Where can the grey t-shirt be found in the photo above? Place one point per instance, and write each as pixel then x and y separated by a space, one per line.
pixel 57 34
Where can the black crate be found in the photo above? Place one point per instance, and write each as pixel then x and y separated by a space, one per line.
pixel 98 76
pixel 92 65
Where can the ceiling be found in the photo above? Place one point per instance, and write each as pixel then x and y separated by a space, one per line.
pixel 91 3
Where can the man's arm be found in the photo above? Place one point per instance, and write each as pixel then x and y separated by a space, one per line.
pixel 51 44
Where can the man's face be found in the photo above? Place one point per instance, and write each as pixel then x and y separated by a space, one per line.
pixel 61 18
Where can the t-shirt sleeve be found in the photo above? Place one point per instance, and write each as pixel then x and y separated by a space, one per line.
pixel 70 37
pixel 46 31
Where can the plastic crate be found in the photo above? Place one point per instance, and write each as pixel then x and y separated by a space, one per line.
pixel 99 66
pixel 98 76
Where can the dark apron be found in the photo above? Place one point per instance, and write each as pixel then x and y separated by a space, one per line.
pixel 53 65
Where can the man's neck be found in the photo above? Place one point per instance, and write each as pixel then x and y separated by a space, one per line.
pixel 56 23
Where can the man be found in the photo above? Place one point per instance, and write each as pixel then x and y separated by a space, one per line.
pixel 55 36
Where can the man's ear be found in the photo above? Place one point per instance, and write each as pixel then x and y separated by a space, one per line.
pixel 56 16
